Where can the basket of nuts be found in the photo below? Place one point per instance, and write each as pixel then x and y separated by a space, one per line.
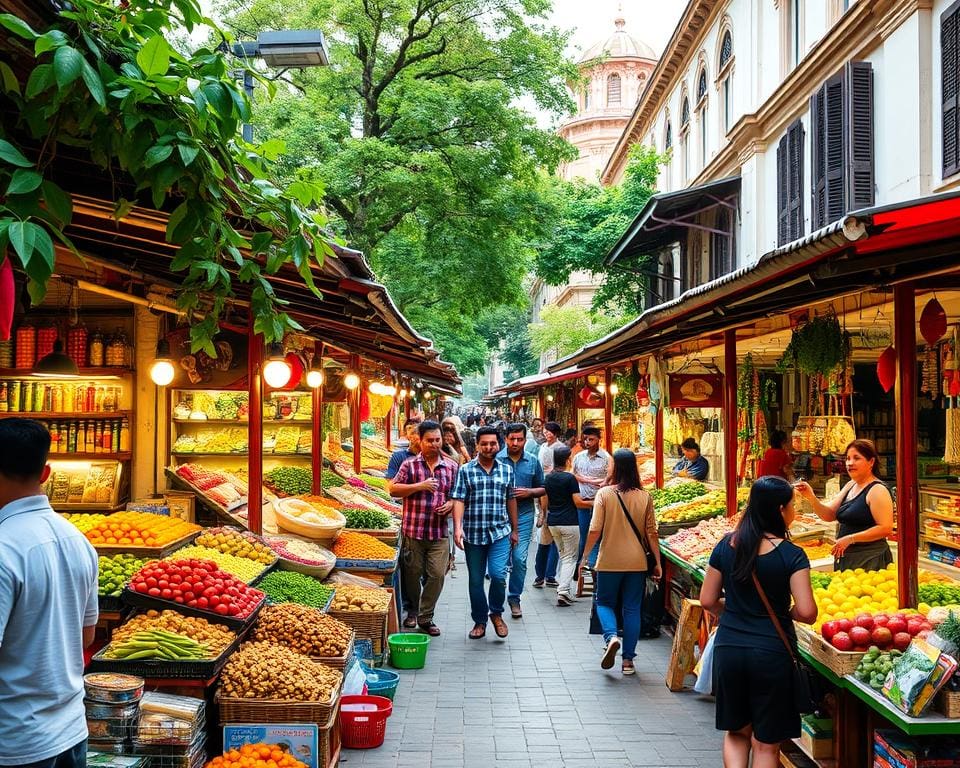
pixel 306 630
pixel 364 609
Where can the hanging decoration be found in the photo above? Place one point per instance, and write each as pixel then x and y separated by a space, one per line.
pixel 887 368
pixel 816 347
pixel 933 321
pixel 930 372
pixel 8 294
pixel 626 401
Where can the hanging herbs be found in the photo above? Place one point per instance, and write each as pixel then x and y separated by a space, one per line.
pixel 626 400
pixel 815 348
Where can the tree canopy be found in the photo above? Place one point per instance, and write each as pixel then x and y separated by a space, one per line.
pixel 428 164
pixel 563 330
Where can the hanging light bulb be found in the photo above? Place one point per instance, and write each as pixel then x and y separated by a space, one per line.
pixel 315 377
pixel 614 390
pixel 376 388
pixel 602 387
pixel 390 389
pixel 277 371
pixel 549 398
pixel 403 394
pixel 162 370
pixel 427 394
pixel 351 380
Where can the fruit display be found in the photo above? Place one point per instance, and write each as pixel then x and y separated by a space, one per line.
pixel 940 594
pixel 198 584
pixel 84 522
pixel 850 593
pixel 351 545
pixel 258 755
pixel 233 541
pixel 820 579
pixel 353 497
pixel 226 406
pixel 302 629
pixel 708 505
pixel 363 599
pixel 226 440
pixel 366 519
pixel 243 568
pixel 115 572
pixel 268 671
pixel 289 481
pixel 225 489
pixel 291 587
pixel 684 491
pixel 157 644
pixel 701 538
pixel 302 552
pixel 875 666
pixel 379 483
pixel 882 630
pixel 139 529
pixel 816 549
pixel 215 636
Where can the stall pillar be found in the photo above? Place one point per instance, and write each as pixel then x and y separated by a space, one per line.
pixel 355 414
pixel 317 459
pixel 151 440
pixel 387 426
pixel 730 418
pixel 658 444
pixel 255 431
pixel 542 400
pixel 607 413
pixel 908 490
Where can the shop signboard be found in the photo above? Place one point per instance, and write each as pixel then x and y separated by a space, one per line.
pixel 298 739
pixel 696 390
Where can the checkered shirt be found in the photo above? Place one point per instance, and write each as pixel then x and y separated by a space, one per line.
pixel 420 520
pixel 484 496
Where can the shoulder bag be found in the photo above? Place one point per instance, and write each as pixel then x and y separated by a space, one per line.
pixel 651 560
pixel 803 683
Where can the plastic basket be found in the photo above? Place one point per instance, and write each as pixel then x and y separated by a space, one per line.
pixel 363 721
pixel 408 650
pixel 382 682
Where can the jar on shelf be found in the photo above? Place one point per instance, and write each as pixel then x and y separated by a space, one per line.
pixel 26 346
pixel 46 336
pixel 77 345
pixel 97 350
pixel 6 354
pixel 116 352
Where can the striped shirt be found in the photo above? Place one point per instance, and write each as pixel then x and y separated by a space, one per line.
pixel 484 496
pixel 420 520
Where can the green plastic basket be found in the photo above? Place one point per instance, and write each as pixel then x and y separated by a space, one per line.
pixel 408 650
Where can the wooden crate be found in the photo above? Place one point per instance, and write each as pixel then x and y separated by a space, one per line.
pixel 367 625
pixel 948 704
pixel 839 662
pixel 685 642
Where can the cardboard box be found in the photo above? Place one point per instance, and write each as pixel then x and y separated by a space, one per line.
pixel 182 504
pixel 816 737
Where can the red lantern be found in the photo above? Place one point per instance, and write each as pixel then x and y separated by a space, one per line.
pixel 933 322
pixel 887 368
pixel 297 369
pixel 7 295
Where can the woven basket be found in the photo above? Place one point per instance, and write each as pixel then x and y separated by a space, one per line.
pixel 338 662
pixel 273 711
pixel 839 662
pixel 948 704
pixel 367 625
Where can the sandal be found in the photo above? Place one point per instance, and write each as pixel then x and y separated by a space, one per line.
pixel 499 625
pixel 478 631
pixel 430 628
pixel 410 622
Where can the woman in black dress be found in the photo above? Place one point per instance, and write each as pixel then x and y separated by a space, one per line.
pixel 864 509
pixel 753 671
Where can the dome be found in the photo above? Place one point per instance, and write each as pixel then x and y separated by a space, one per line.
pixel 619 45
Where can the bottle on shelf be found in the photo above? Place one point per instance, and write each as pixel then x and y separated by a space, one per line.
pixel 124 435
pixel 96 350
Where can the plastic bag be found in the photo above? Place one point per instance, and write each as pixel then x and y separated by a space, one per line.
pixel 354 679
pixel 342 577
pixel 704 668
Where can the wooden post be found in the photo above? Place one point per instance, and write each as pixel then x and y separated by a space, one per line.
pixel 254 431
pixel 355 414
pixel 658 444
pixel 607 412
pixel 730 418
pixel 317 452
pixel 542 399
pixel 388 423
pixel 908 486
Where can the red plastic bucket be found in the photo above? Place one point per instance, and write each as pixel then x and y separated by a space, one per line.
pixel 363 721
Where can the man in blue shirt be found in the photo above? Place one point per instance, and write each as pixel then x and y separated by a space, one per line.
pixel 48 610
pixel 485 528
pixel 527 486
pixel 692 465
pixel 410 427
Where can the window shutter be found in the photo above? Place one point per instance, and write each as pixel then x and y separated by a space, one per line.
pixel 818 141
pixel 783 221
pixel 859 122
pixel 949 66
pixel 834 154
pixel 795 174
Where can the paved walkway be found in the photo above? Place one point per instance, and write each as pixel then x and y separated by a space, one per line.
pixel 538 698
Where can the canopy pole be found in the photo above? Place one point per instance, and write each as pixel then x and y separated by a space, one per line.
pixel 908 486
pixel 355 414
pixel 658 457
pixel 254 430
pixel 317 461
pixel 607 412
pixel 388 420
pixel 730 418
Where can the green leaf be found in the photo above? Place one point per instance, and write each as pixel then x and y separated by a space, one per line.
pixel 22 236
pixel 40 79
pixel 58 202
pixel 11 155
pixel 122 209
pixel 18 26
pixel 188 154
pixel 67 65
pixel 217 97
pixel 154 57
pixel 49 40
pixel 301 191
pixel 156 154
pixel 180 213
pixel 261 241
pixel 94 84
pixel 23 181
pixel 8 79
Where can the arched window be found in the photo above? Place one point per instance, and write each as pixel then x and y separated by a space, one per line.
pixel 702 85
pixel 725 72
pixel 726 49
pixel 668 138
pixel 613 89
pixel 685 112
pixel 586 98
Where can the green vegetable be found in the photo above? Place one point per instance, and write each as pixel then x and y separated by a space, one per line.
pixel 331 479
pixel 291 481
pixel 820 580
pixel 360 517
pixel 816 347
pixel 292 587
pixel 939 594
pixel 115 573
pixel 682 492
pixel 949 629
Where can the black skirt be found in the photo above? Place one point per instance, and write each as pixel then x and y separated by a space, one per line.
pixel 869 555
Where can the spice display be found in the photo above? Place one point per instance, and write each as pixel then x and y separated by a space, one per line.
pixel 197 584
pixel 232 541
pixel 315 512
pixel 46 337
pixel 215 636
pixel 77 346
pixel 268 671
pixel 116 571
pixel 256 756
pixel 369 519
pixel 289 481
pixel 302 629
pixel 292 587
pixel 352 598
pixel 243 568
pixel 157 644
pixel 351 545
pixel 140 529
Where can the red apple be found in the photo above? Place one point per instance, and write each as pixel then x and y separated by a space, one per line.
pixel 901 640
pixel 845 625
pixel 897 624
pixel 881 636
pixel 860 636
pixel 925 625
pixel 880 619
pixel 864 620
pixel 829 629
pixel 842 642
pixel 914 626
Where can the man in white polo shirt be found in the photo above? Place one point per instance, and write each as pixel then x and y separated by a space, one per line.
pixel 48 611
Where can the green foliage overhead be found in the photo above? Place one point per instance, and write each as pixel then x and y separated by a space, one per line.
pixel 106 81
pixel 592 220
pixel 505 328
pixel 427 162
pixel 563 330
pixel 816 347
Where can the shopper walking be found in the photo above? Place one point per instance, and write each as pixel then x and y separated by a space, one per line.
pixel 467 437
pixel 485 527
pixel 545 566
pixel 402 454
pixel 536 431
pixel 624 524
pixel 48 610
pixel 527 488
pixel 753 669
pixel 563 501
pixel 453 445
pixel 592 468
pixel 424 483
pixel 776 460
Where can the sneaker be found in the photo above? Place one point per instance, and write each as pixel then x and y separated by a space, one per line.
pixel 564 599
pixel 610 653
pixel 538 583
pixel 552 583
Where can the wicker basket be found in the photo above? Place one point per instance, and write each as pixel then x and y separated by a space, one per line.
pixel 367 625
pixel 273 711
pixel 839 662
pixel 338 662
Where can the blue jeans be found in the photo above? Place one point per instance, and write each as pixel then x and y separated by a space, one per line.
pixel 482 559
pixel 583 519
pixel 545 566
pixel 518 558
pixel 75 757
pixel 609 584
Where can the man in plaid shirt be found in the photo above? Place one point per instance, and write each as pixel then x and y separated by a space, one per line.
pixel 485 528
pixel 424 483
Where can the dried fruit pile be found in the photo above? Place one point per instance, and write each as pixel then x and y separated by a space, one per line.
pixel 256 756
pixel 232 541
pixel 267 671
pixel 302 629
pixel 351 545
pixel 351 598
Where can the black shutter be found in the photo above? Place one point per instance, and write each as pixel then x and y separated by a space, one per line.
pixel 818 142
pixel 834 154
pixel 795 174
pixel 859 143
pixel 949 66
pixel 783 187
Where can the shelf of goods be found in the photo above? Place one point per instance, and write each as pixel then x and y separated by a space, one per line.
pixel 940 525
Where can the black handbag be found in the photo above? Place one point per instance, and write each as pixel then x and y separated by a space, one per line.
pixel 647 551
pixel 803 681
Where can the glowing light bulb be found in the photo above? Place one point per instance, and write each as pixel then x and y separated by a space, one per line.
pixel 314 379
pixel 351 380
pixel 162 372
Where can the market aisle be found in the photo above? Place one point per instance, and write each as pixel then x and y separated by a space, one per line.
pixel 538 698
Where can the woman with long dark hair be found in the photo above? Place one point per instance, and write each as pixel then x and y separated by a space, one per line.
pixel 624 522
pixel 753 670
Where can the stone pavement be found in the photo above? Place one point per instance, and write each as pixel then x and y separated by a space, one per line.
pixel 538 698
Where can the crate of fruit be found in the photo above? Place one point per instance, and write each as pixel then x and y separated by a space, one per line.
pixel 360 552
pixel 839 662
